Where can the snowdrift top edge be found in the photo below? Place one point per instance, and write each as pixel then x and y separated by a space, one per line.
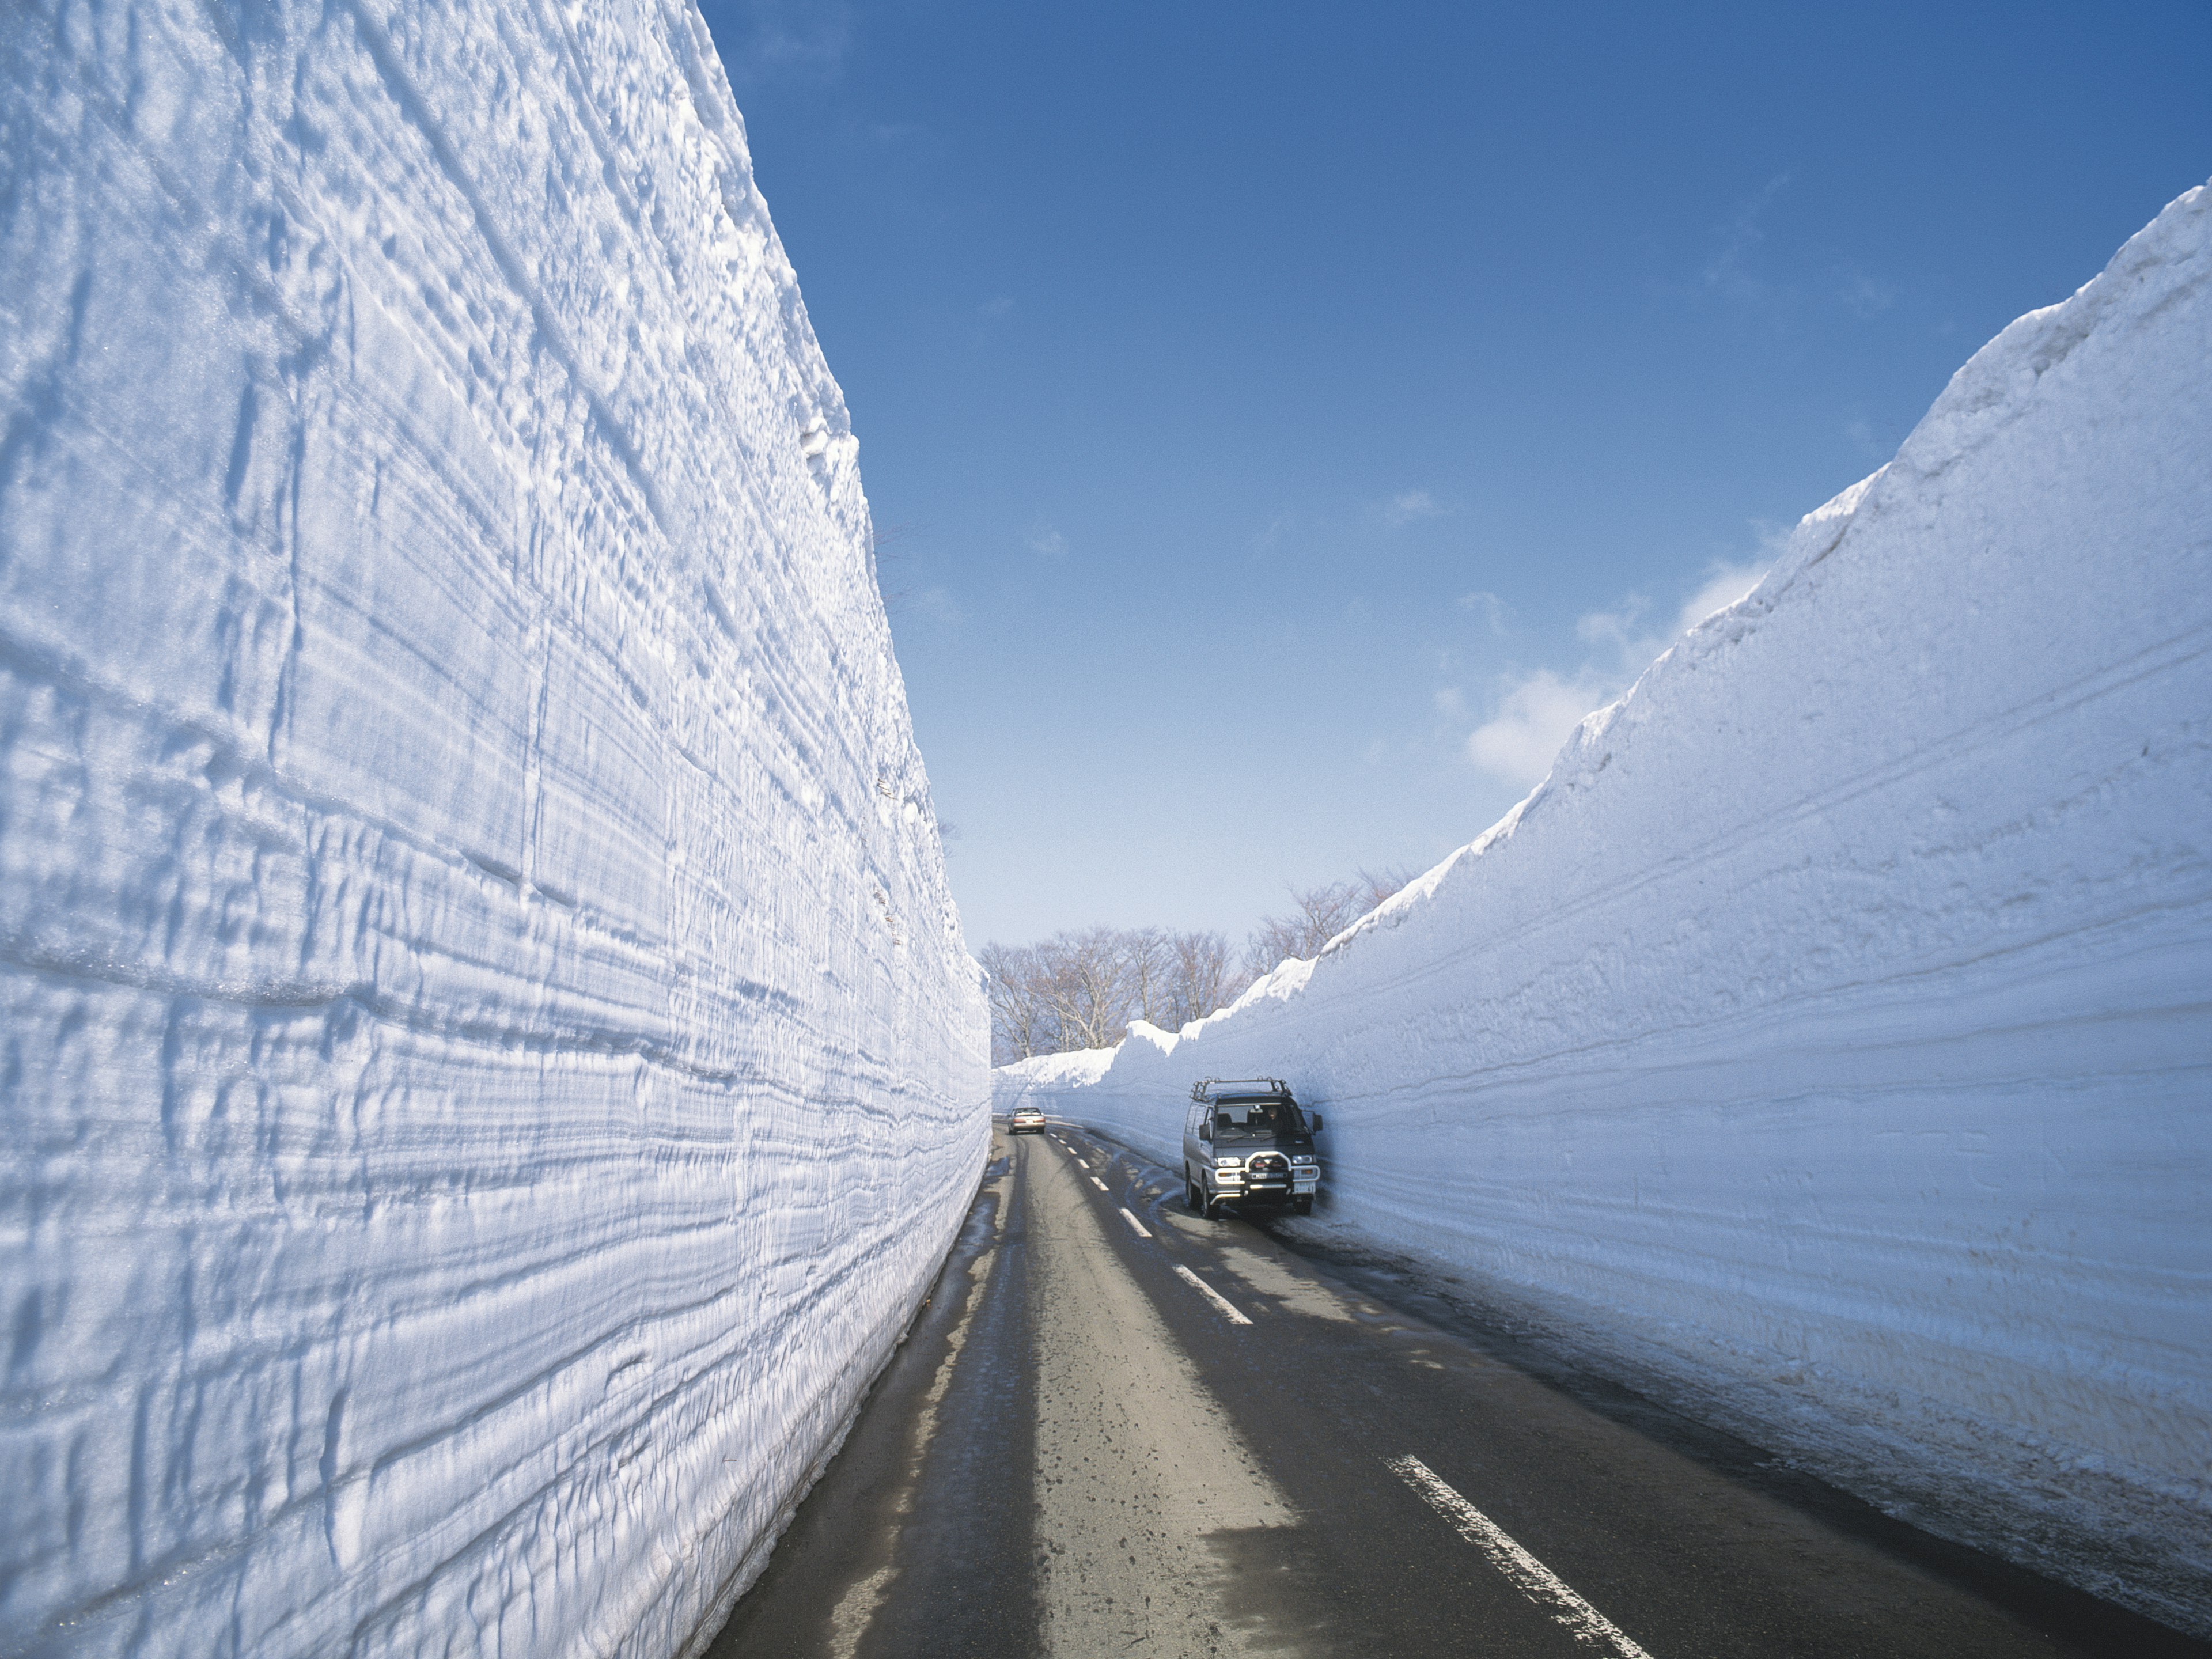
pixel 2166 259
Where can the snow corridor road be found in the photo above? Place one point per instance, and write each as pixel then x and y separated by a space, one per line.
pixel 1119 1429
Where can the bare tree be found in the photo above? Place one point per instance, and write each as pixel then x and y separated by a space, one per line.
pixel 1081 990
pixel 1317 915
pixel 1205 980
pixel 1089 975
pixel 1022 1022
pixel 1388 883
pixel 1149 953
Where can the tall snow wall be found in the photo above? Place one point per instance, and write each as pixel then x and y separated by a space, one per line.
pixel 489 1059
pixel 1826 1040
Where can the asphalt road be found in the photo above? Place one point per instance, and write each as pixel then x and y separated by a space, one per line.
pixel 1118 1430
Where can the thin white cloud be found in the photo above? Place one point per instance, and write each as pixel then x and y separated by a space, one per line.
pixel 1411 507
pixel 767 39
pixel 1871 444
pixel 1864 295
pixel 1533 718
pixel 998 307
pixel 1616 627
pixel 1047 541
pixel 1724 585
pixel 1268 539
pixel 1728 272
pixel 1537 711
pixel 1488 606
pixel 939 605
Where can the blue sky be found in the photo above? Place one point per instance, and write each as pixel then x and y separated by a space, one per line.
pixel 1280 417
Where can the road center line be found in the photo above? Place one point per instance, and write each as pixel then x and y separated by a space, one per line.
pixel 1099 1184
pixel 1210 1293
pixel 1530 1576
pixel 1133 1221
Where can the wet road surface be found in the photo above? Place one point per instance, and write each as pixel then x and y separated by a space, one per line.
pixel 1117 1429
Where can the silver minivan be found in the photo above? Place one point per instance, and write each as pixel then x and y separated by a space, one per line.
pixel 1246 1142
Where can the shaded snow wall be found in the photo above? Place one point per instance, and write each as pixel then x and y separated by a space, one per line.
pixel 490 1057
pixel 1827 1038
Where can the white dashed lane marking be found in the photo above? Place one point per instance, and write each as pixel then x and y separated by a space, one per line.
pixel 1101 1186
pixel 1530 1576
pixel 1210 1293
pixel 1133 1221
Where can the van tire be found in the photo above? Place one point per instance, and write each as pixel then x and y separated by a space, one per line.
pixel 1303 1206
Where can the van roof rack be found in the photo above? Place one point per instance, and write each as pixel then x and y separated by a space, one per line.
pixel 1230 1088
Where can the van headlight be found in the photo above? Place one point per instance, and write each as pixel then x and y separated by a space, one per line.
pixel 1228 1163
pixel 1302 1158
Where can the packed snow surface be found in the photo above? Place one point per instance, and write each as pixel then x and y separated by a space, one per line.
pixel 490 1058
pixel 1829 1037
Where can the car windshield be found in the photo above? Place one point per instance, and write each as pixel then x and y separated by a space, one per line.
pixel 1256 1119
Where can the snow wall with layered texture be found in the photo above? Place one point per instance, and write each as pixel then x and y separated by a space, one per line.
pixel 490 1061
pixel 1828 1039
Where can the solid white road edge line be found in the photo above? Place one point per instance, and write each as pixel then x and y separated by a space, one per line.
pixel 1101 1186
pixel 1530 1576
pixel 1133 1221
pixel 1210 1294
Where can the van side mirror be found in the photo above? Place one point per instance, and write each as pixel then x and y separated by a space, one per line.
pixel 1313 1118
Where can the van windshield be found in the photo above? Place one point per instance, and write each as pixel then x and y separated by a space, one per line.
pixel 1256 1120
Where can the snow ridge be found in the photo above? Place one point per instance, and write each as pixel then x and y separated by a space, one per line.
pixel 1824 1041
pixel 490 1059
